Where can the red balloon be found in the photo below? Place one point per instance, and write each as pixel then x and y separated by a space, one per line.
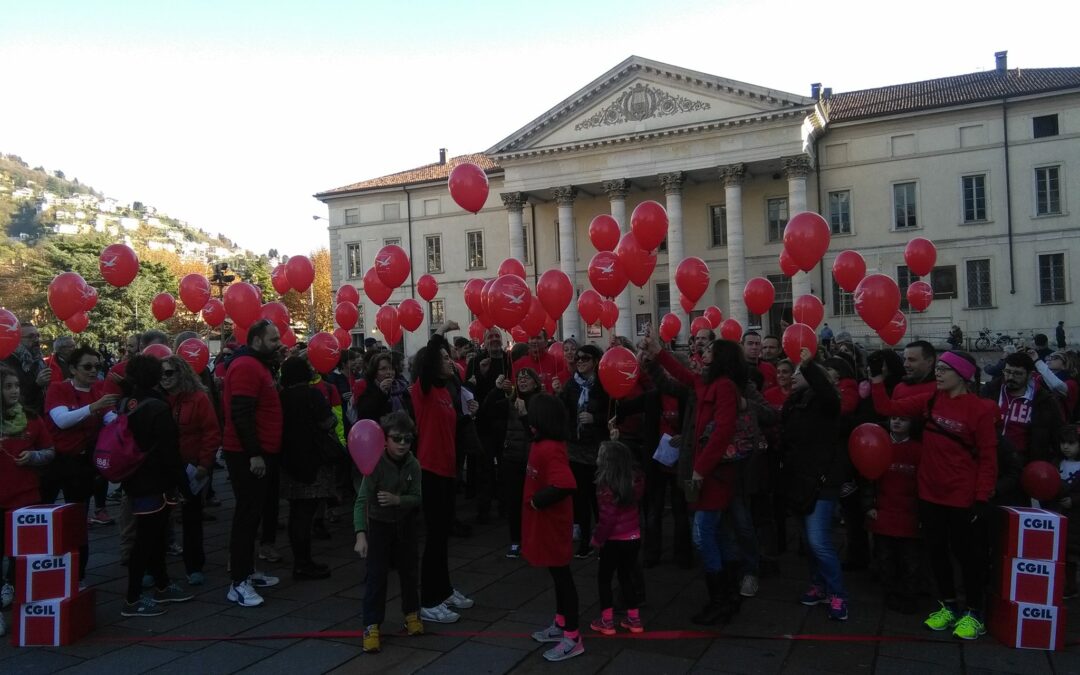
pixel 239 334
pixel 590 305
pixel 797 336
pixel 346 314
pixel 606 274
pixel 618 372
pixel 196 353
pixel 118 264
pixel 343 337
pixel 806 238
pixel 468 186
pixel 90 298
pixel 476 330
pixel 163 306
pixel 67 294
pixel 670 326
pixel 920 256
pixel 300 273
pixel 213 313
pixel 809 310
pixel 288 338
pixel 787 265
pixel 870 450
pixel 375 289
pixel 919 295
pixel 550 326
pixel 242 304
pixel 1041 480
pixel 609 314
pixel 637 263
pixel 323 352
pixel 555 292
pixel 509 300
pixel 699 324
pixel 10 333
pixel 348 293
pixel 714 315
pixel 732 330
pixel 686 303
pixel 427 287
pixel 392 265
pixel 388 321
pixel 692 278
pixel 848 269
pixel 512 266
pixel 474 289
pixel 278 314
pixel 411 314
pixel 649 223
pixel 604 232
pixel 876 300
pixel 556 352
pixel 535 320
pixel 194 292
pixel 518 334
pixel 894 331
pixel 158 351
pixel 279 280
pixel 77 322
pixel 485 305
pixel 758 294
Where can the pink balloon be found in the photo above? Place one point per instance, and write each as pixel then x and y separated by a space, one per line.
pixel 468 186
pixel 299 272
pixel 806 238
pixel 692 278
pixel 366 445
pixel 809 310
pixel 392 265
pixel 604 232
pixel 649 223
pixel 512 266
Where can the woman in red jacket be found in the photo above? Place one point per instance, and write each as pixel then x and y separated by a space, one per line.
pixel 200 438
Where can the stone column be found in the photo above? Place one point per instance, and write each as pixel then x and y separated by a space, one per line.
pixel 571 320
pixel 732 178
pixel 515 204
pixel 796 169
pixel 616 191
pixel 672 184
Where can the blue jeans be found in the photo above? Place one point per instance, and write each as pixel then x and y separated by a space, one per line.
pixel 715 542
pixel 742 522
pixel 824 562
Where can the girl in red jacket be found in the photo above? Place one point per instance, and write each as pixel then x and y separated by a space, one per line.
pixel 619 487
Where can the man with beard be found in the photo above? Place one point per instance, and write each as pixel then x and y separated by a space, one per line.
pixel 488 364
pixel 770 349
pixel 698 344
pixel 34 374
pixel 1030 417
pixel 547 366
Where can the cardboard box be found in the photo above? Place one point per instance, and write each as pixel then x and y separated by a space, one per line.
pixel 53 623
pixel 1027 626
pixel 46 577
pixel 1034 534
pixel 45 530
pixel 1039 582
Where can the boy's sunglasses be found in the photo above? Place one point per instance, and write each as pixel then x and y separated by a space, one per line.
pixel 401 438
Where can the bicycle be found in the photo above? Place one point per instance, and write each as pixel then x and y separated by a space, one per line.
pixel 988 339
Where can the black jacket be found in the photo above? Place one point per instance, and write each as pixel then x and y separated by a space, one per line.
pixel 810 434
pixel 1046 422
pixel 155 432
pixel 584 440
pixel 306 419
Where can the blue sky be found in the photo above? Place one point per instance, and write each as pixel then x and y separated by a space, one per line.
pixel 232 114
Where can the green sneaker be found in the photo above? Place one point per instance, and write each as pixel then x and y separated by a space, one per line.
pixel 969 628
pixel 943 619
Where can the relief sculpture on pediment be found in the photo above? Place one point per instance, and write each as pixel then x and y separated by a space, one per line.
pixel 638 103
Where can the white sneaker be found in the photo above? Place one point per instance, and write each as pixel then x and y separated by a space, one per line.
pixel 439 614
pixel 262 580
pixel 7 596
pixel 244 595
pixel 749 586
pixel 458 601
pixel 576 536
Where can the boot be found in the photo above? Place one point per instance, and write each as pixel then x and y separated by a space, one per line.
pixel 718 608
pixel 731 592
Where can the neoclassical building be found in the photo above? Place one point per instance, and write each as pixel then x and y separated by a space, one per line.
pixel 983 164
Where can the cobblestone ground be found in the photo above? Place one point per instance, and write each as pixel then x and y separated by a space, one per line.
pixel 512 599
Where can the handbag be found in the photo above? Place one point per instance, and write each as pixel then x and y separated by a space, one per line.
pixel 691 490
pixel 746 440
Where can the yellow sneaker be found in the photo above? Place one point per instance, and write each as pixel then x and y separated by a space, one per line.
pixel 413 624
pixel 371 639
pixel 942 619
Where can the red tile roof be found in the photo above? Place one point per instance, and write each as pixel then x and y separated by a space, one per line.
pixel 949 91
pixel 428 172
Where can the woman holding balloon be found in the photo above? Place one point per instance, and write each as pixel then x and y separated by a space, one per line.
pixel 383 392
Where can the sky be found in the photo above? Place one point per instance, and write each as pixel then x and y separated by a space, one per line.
pixel 231 114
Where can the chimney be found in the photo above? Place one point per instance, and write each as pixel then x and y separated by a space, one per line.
pixel 442 155
pixel 1001 61
pixel 815 90
pixel 826 93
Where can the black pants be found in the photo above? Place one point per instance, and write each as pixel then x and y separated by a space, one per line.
pixel 148 553
pixel 512 475
pixel 620 557
pixel 250 493
pixel 438 499
pixel 899 560
pixel 272 503
pixel 8 576
pixel 74 475
pixel 191 520
pixel 659 483
pixel 585 507
pixel 566 597
pixel 946 530
pixel 301 517
pixel 386 542
pixel 858 540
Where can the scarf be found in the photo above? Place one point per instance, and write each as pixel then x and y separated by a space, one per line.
pixel 27 360
pixel 398 388
pixel 583 395
pixel 13 422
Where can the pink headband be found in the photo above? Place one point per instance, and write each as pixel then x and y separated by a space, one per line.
pixel 963 367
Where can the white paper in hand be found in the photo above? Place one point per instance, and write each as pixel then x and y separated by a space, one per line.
pixel 196 484
pixel 666 453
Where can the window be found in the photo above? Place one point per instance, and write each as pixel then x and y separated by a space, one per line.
pixel 354 261
pixel 943 281
pixel 843 302
pixel 392 241
pixel 431 207
pixel 840 211
pixel 974 194
pixel 1052 278
pixel 433 246
pixel 662 248
pixel 978 284
pixel 476 249
pixel 360 322
pixel 718 225
pixel 525 243
pixel 391 211
pixel 904 278
pixel 1044 125
pixel 436 313
pixel 904 205
pixel 663 299
pixel 352 216
pixel 1047 190
pixel 776 216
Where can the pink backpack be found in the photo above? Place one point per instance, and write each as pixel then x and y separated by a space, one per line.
pixel 117 456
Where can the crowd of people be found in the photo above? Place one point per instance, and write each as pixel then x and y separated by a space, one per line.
pixel 734 440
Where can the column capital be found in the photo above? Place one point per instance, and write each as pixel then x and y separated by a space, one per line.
pixel 672 182
pixel 514 201
pixel 732 174
pixel 565 195
pixel 616 189
pixel 798 166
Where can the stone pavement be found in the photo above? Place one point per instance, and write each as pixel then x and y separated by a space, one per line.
pixel 512 599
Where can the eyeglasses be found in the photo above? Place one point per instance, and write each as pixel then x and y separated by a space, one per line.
pixel 582 358
pixel 88 367
pixel 168 373
pixel 401 438
pixel 942 368
pixel 1014 373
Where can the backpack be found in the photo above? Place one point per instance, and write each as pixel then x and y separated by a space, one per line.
pixel 117 456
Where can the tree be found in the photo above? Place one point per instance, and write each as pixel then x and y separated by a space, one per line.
pixel 299 304
pixel 59 174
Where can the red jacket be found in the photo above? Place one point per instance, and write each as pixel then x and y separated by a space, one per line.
pixel 19 485
pixel 618 522
pixel 768 372
pixel 436 429
pixel 113 377
pixel 548 367
pixel 248 376
pixel 547 534
pixel 897 494
pixel 776 396
pixel 849 395
pixel 200 435
pixel 81 437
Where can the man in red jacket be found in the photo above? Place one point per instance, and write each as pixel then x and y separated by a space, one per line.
pixel 751 343
pixel 538 358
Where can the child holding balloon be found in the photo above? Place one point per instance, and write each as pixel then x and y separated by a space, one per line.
pixel 384 517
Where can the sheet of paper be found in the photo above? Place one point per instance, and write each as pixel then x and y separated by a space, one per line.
pixel 666 453
pixel 196 484
pixel 466 396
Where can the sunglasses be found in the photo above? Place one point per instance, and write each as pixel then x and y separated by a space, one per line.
pixel 401 438
pixel 168 373
pixel 88 367
pixel 581 358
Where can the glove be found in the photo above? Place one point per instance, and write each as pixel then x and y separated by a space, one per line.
pixel 875 362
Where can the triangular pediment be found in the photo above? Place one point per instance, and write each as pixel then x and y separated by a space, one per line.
pixel 640 96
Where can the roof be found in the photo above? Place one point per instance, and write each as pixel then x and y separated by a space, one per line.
pixel 422 174
pixel 949 91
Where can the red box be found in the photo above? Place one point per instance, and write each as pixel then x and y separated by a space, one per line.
pixel 1034 534
pixel 46 530
pixel 1028 626
pixel 53 623
pixel 46 577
